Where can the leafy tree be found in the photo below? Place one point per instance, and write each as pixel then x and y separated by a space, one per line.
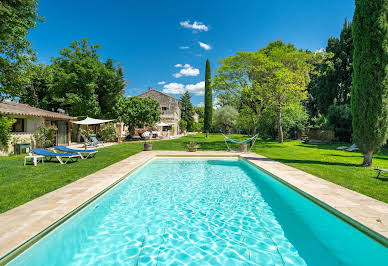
pixel 225 119
pixel 286 77
pixel 76 81
pixel 137 112
pixel 187 111
pixel 110 86
pixel 37 92
pixel 208 99
pixel 5 129
pixel 370 77
pixel 332 83
pixel 16 19
pixel 237 86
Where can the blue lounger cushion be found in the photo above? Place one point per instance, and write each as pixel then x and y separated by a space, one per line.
pixel 66 149
pixel 44 152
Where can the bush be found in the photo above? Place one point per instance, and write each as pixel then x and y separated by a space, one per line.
pixel 182 125
pixel 44 136
pixel 340 119
pixel 107 132
pixel 5 130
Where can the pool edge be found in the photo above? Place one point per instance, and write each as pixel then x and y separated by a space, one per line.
pixel 340 215
pixel 8 257
pixel 31 241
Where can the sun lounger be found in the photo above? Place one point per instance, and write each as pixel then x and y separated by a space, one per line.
pixel 381 173
pixel 49 154
pixel 353 148
pixel 95 141
pixel 84 154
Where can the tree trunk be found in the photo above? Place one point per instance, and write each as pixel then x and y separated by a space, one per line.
pixel 252 135
pixel 207 133
pixel 280 126
pixel 368 156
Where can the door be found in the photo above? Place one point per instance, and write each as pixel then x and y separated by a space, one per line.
pixel 62 133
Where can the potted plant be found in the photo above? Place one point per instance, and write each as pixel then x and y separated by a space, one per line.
pixel 192 146
pixel 147 146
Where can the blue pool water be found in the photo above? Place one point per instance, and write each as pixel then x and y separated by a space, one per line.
pixel 203 212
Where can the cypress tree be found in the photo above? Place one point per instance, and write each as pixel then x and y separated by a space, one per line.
pixel 370 77
pixel 187 111
pixel 208 99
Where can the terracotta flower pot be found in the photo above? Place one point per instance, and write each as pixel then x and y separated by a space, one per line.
pixel 147 146
pixel 192 149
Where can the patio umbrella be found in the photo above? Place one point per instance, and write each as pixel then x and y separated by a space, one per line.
pixel 162 124
pixel 91 121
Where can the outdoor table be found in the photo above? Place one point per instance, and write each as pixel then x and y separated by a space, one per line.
pixel 20 147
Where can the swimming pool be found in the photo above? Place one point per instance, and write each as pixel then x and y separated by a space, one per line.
pixel 203 211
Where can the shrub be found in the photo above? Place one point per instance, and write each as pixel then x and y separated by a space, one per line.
pixel 340 118
pixel 182 125
pixel 5 130
pixel 107 132
pixel 44 136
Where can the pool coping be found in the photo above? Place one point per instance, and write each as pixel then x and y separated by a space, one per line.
pixel 16 235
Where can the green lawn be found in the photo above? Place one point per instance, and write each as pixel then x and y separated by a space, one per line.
pixel 19 184
pixel 324 161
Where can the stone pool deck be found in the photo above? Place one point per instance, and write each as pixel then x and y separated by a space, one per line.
pixel 24 222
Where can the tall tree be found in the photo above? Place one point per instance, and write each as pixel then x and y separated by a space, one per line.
pixel 332 82
pixel 208 99
pixel 137 112
pixel 370 78
pixel 287 78
pixel 187 110
pixel 16 19
pixel 237 86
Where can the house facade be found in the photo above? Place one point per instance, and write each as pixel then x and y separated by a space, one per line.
pixel 170 108
pixel 29 118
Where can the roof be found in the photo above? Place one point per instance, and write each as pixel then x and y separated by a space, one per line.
pixel 162 93
pixel 14 108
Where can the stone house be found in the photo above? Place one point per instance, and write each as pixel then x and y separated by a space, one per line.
pixel 170 108
pixel 29 118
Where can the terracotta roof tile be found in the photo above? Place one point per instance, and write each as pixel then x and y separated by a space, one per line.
pixel 14 108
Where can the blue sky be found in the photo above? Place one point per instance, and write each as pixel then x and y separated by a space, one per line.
pixel 169 41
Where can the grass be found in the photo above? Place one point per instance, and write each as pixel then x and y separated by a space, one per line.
pixel 19 184
pixel 324 161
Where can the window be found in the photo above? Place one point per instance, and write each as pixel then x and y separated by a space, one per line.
pixel 18 126
pixel 164 108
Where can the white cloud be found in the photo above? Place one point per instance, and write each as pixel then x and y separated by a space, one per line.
pixel 179 88
pixel 199 26
pixel 187 71
pixel 205 46
pixel 184 47
pixel 201 104
pixel 174 88
pixel 161 82
pixel 320 50
pixel 196 89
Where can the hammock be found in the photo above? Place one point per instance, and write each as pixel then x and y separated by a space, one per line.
pixel 239 142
